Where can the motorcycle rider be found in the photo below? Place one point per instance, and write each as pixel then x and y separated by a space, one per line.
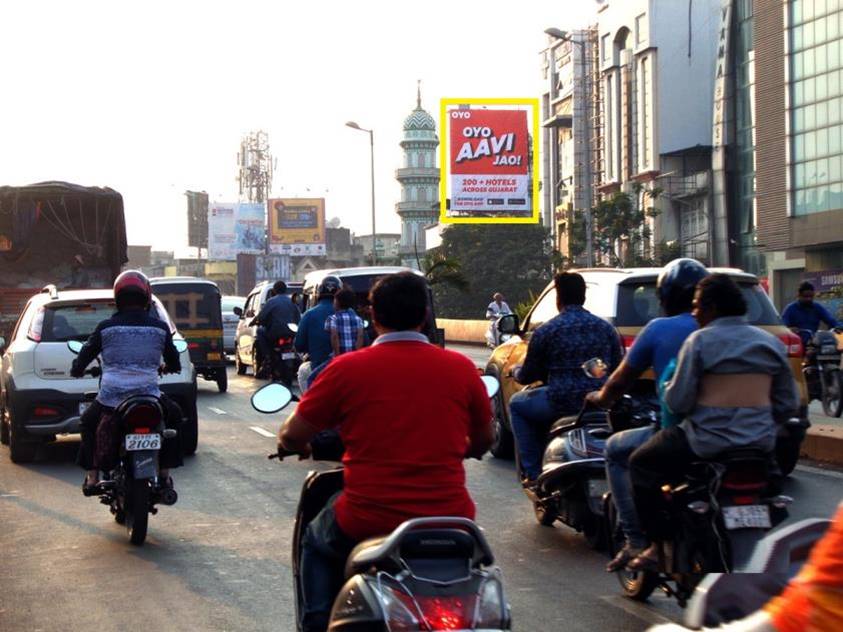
pixel 408 413
pixel 733 384
pixel 657 344
pixel 555 355
pixel 311 337
pixel 804 315
pixel 132 343
pixel 272 323
pixel 497 308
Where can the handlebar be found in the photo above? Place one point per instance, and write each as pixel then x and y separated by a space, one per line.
pixel 281 454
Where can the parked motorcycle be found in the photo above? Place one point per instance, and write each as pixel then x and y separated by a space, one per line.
pixel 823 369
pixel 131 487
pixel 429 574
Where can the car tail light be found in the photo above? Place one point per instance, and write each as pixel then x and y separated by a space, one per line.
pixel 36 326
pixel 45 411
pixel 141 418
pixel 793 343
pixel 192 345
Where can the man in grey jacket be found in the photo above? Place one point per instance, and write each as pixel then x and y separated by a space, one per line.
pixel 733 385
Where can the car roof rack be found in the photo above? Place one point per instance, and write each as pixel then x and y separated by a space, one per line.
pixel 51 290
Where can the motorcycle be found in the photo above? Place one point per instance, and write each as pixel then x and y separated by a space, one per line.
pixel 429 574
pixel 572 487
pixel 284 362
pixel 718 513
pixel 823 369
pixel 131 487
pixel 778 557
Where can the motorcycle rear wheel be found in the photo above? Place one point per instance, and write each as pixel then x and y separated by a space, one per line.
pixel 832 385
pixel 636 586
pixel 137 510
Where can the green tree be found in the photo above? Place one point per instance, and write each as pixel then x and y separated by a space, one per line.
pixel 512 259
pixel 440 269
pixel 620 230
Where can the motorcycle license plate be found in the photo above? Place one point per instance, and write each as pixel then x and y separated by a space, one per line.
pixel 288 356
pixel 143 442
pixel 747 517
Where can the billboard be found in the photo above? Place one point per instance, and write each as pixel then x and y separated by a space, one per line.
pixel 197 219
pixel 297 226
pixel 489 161
pixel 235 228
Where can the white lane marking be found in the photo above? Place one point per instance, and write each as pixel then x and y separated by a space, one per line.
pixel 218 411
pixel 262 432
pixel 820 471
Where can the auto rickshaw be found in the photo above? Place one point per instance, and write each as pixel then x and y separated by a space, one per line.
pixel 194 306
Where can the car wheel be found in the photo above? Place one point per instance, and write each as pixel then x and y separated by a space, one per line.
pixel 190 428
pixel 21 450
pixel 4 428
pixel 504 445
pixel 241 368
pixel 222 380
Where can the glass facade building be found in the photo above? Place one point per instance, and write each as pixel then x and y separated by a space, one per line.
pixel 815 28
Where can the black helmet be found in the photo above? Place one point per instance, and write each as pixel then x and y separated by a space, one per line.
pixel 135 284
pixel 676 284
pixel 329 286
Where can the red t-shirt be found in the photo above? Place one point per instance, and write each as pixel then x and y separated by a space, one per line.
pixel 404 410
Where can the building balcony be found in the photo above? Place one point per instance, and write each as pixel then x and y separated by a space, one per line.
pixel 417 172
pixel 418 207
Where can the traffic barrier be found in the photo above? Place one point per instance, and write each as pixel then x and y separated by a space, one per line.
pixel 824 442
pixel 464 331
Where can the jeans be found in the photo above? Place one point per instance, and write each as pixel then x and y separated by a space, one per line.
pixel 664 458
pixel 619 448
pixel 531 413
pixel 325 549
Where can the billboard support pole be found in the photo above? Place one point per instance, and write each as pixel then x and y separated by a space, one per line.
pixel 372 157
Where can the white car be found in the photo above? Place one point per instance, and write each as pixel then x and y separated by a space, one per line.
pixel 38 398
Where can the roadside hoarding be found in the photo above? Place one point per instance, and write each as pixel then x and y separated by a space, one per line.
pixel 235 228
pixel 252 269
pixel 197 219
pixel 297 226
pixel 488 163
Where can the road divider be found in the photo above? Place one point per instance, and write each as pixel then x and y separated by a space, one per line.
pixel 464 331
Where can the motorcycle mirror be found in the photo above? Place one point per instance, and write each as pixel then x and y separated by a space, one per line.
pixel 271 398
pixel 595 368
pixel 492 385
pixel 75 346
pixel 180 345
pixel 293 327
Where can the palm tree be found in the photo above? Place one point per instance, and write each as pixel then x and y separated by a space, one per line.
pixel 440 269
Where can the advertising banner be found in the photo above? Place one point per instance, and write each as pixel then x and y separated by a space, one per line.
pixel 221 239
pixel 489 161
pixel 297 226
pixel 250 228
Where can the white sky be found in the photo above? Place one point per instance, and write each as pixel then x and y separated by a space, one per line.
pixel 152 98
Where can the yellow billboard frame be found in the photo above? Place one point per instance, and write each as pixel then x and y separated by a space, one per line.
pixel 444 161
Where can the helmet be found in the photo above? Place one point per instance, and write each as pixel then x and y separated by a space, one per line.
pixel 676 284
pixel 329 286
pixel 132 283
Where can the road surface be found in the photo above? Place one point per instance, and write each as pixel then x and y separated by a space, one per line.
pixel 220 558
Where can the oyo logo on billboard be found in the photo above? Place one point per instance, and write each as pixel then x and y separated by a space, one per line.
pixel 489 142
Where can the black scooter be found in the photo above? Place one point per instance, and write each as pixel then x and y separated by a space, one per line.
pixel 429 574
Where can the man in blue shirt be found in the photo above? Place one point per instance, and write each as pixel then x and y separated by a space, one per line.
pixel 555 356
pixel 311 337
pixel 656 346
pixel 804 315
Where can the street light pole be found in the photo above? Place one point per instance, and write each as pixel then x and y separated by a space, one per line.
pixel 589 228
pixel 371 133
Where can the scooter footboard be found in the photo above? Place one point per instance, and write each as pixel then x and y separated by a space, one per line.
pixel 562 474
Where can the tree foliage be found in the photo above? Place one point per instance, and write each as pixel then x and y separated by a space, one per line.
pixel 440 269
pixel 511 259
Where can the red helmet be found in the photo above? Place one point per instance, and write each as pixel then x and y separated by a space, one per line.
pixel 132 282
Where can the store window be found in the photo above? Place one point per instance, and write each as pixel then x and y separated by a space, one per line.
pixel 816 105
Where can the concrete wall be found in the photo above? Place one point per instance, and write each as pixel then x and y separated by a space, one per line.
pixel 468 331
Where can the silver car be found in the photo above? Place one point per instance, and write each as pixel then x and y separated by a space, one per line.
pixel 230 320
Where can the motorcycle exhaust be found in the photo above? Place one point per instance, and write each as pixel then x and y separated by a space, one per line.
pixel 168 496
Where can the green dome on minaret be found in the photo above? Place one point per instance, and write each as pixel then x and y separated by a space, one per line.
pixel 419 178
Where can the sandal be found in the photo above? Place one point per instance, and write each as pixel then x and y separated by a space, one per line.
pixel 624 557
pixel 646 561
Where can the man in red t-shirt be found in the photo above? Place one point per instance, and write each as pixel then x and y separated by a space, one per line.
pixel 408 414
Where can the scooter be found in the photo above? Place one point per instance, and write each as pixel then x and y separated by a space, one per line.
pixel 429 574
pixel 136 427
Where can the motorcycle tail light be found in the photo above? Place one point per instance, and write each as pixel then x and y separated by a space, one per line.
pixel 192 345
pixel 448 613
pixel 745 500
pixel 139 419
pixel 628 341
